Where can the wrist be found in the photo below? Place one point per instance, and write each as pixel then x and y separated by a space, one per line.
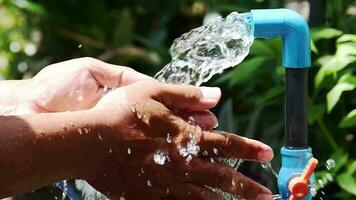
pixel 13 95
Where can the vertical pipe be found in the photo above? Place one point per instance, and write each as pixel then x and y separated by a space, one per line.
pixel 296 94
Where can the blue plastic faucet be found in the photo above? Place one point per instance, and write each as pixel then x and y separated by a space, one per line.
pixel 273 23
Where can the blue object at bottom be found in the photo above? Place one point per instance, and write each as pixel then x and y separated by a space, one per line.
pixel 293 164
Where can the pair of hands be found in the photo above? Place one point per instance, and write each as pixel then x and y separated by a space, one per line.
pixel 135 120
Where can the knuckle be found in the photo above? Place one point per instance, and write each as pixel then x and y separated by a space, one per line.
pixel 193 93
pixel 87 60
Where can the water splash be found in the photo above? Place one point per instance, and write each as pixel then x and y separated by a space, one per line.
pixel 207 50
pixel 88 192
pixel 202 53
pixel 160 158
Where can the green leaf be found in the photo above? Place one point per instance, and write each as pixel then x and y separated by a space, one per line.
pixel 261 47
pixel 313 47
pixel 349 120
pixel 347 82
pixel 270 94
pixel 340 158
pixel 243 71
pixel 124 28
pixel 347 182
pixel 347 38
pixel 30 6
pixel 324 33
pixel 315 112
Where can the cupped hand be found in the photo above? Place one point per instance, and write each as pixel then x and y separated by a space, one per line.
pixel 75 84
pixel 154 154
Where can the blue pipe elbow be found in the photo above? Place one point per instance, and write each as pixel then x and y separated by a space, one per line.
pixel 285 23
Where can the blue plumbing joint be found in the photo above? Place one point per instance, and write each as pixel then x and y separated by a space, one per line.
pixel 294 31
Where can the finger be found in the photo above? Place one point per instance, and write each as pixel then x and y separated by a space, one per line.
pixel 113 75
pixel 227 179
pixel 186 97
pixel 193 192
pixel 227 145
pixel 205 119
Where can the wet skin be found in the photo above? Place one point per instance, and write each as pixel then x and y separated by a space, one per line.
pixel 93 143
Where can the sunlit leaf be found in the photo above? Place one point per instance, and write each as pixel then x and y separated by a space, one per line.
pixel 347 38
pixel 347 182
pixel 349 120
pixel 330 65
pixel 324 33
pixel 313 47
pixel 340 158
pixel 30 6
pixel 346 83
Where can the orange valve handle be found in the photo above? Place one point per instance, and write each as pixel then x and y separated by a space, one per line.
pixel 298 186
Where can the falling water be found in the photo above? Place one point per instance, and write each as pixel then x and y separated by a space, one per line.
pixel 207 50
pixel 203 52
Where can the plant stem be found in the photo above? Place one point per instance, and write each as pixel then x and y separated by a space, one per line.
pixel 327 134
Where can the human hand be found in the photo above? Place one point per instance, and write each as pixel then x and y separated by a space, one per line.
pixel 71 85
pixel 151 153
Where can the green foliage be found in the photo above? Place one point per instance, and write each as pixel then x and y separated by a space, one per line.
pixel 138 34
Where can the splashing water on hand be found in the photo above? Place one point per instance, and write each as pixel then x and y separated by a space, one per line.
pixel 204 52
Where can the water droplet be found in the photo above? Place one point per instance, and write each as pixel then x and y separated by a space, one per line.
pixel 80 131
pixel 189 158
pixel 216 125
pixel 149 184
pixel 167 191
pixel 99 136
pixel 139 115
pixel 264 165
pixel 186 174
pixel 241 185
pixel 205 153
pixel 142 171
pixel 80 46
pixel 313 191
pixel 321 183
pixel 212 160
pixel 110 150
pixel 133 109
pixel 215 150
pixel 122 198
pixel 160 158
pixel 191 120
pixel 168 138
pixel 129 151
pixel 86 130
pixel 330 164
pixel 233 183
pixel 329 177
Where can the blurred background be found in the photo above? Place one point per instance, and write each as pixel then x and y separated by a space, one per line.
pixel 138 33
